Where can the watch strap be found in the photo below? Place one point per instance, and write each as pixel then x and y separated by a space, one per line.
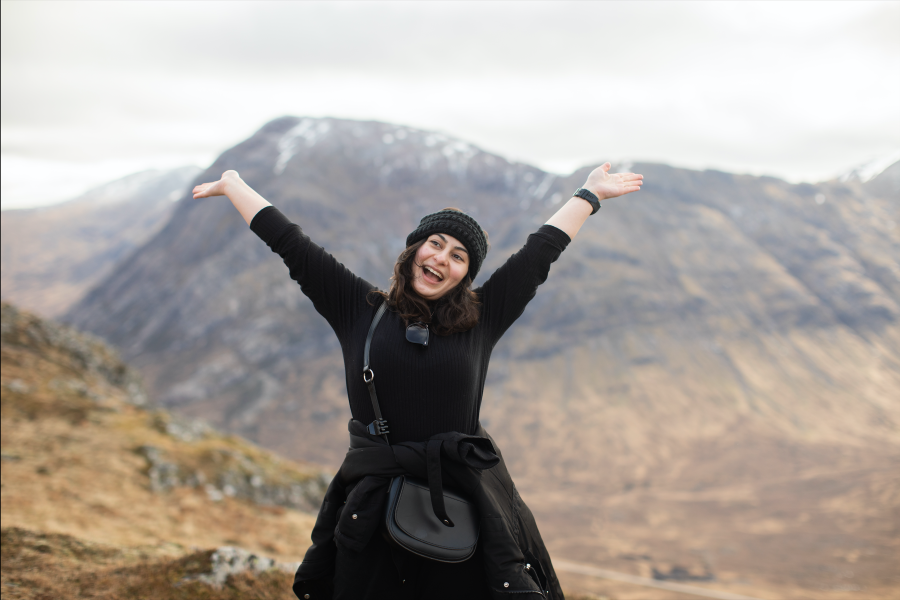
pixel 590 196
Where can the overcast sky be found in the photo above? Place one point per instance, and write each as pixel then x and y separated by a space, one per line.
pixel 803 91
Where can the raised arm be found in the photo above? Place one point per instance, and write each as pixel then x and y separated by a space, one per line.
pixel 512 286
pixel 336 293
pixel 244 198
pixel 575 212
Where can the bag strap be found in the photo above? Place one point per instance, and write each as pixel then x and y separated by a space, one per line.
pixel 379 426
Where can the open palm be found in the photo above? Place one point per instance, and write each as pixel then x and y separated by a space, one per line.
pixel 606 185
pixel 214 188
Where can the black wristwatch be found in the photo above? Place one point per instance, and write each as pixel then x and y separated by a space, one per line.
pixel 590 197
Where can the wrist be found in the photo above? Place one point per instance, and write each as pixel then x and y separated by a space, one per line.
pixel 590 198
pixel 233 184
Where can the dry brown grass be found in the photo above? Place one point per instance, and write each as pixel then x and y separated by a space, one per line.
pixel 70 466
pixel 37 566
pixel 43 566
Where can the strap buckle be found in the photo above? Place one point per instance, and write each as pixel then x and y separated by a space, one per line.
pixel 368 375
pixel 378 427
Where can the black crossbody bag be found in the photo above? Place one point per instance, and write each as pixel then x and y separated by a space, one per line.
pixel 411 519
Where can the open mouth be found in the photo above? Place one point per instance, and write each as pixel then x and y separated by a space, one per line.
pixel 431 275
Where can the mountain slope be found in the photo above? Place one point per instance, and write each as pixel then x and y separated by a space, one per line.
pixel 53 255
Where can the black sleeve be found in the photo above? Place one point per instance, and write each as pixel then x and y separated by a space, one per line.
pixel 509 290
pixel 336 293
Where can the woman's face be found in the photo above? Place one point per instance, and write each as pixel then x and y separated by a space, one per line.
pixel 440 264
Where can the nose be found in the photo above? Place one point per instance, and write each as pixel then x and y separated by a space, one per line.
pixel 443 256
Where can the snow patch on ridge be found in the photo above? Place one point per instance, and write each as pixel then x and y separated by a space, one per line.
pixel 395 147
pixel 307 132
pixel 458 155
pixel 872 169
pixel 434 139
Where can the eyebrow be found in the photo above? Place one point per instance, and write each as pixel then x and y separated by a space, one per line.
pixel 445 241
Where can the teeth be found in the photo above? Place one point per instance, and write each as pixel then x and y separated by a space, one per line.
pixel 438 275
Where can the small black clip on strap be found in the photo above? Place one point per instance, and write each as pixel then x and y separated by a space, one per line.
pixel 379 426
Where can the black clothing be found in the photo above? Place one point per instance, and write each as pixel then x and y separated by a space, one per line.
pixel 423 392
pixel 383 572
pixel 353 511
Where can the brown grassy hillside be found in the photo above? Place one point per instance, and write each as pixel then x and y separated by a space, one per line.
pixel 38 566
pixel 81 458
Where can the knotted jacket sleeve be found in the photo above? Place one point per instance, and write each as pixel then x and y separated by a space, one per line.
pixel 336 293
pixel 511 287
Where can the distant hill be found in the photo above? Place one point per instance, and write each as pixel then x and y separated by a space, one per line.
pixel 53 255
pixel 707 384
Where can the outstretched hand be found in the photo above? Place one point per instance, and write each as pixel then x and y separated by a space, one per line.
pixel 216 188
pixel 572 215
pixel 606 185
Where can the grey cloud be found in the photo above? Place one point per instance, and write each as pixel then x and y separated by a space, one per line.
pixel 422 39
pixel 553 83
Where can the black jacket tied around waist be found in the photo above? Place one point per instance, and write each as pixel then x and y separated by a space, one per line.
pixel 515 560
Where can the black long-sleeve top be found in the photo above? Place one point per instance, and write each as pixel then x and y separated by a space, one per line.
pixel 422 391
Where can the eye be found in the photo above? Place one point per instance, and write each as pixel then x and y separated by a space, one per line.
pixel 436 243
pixel 458 257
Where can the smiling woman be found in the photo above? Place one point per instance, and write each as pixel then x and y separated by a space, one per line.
pixel 443 262
pixel 430 391
pixel 432 280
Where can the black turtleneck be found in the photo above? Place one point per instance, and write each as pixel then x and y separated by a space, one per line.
pixel 422 391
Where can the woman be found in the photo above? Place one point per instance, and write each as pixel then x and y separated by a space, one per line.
pixel 431 355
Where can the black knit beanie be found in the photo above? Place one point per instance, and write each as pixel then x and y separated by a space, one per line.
pixel 459 225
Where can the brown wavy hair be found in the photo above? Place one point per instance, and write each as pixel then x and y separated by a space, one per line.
pixel 456 311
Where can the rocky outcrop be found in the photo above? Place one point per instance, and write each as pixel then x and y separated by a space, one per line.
pixel 232 474
pixel 41 565
pixel 83 353
pixel 229 561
